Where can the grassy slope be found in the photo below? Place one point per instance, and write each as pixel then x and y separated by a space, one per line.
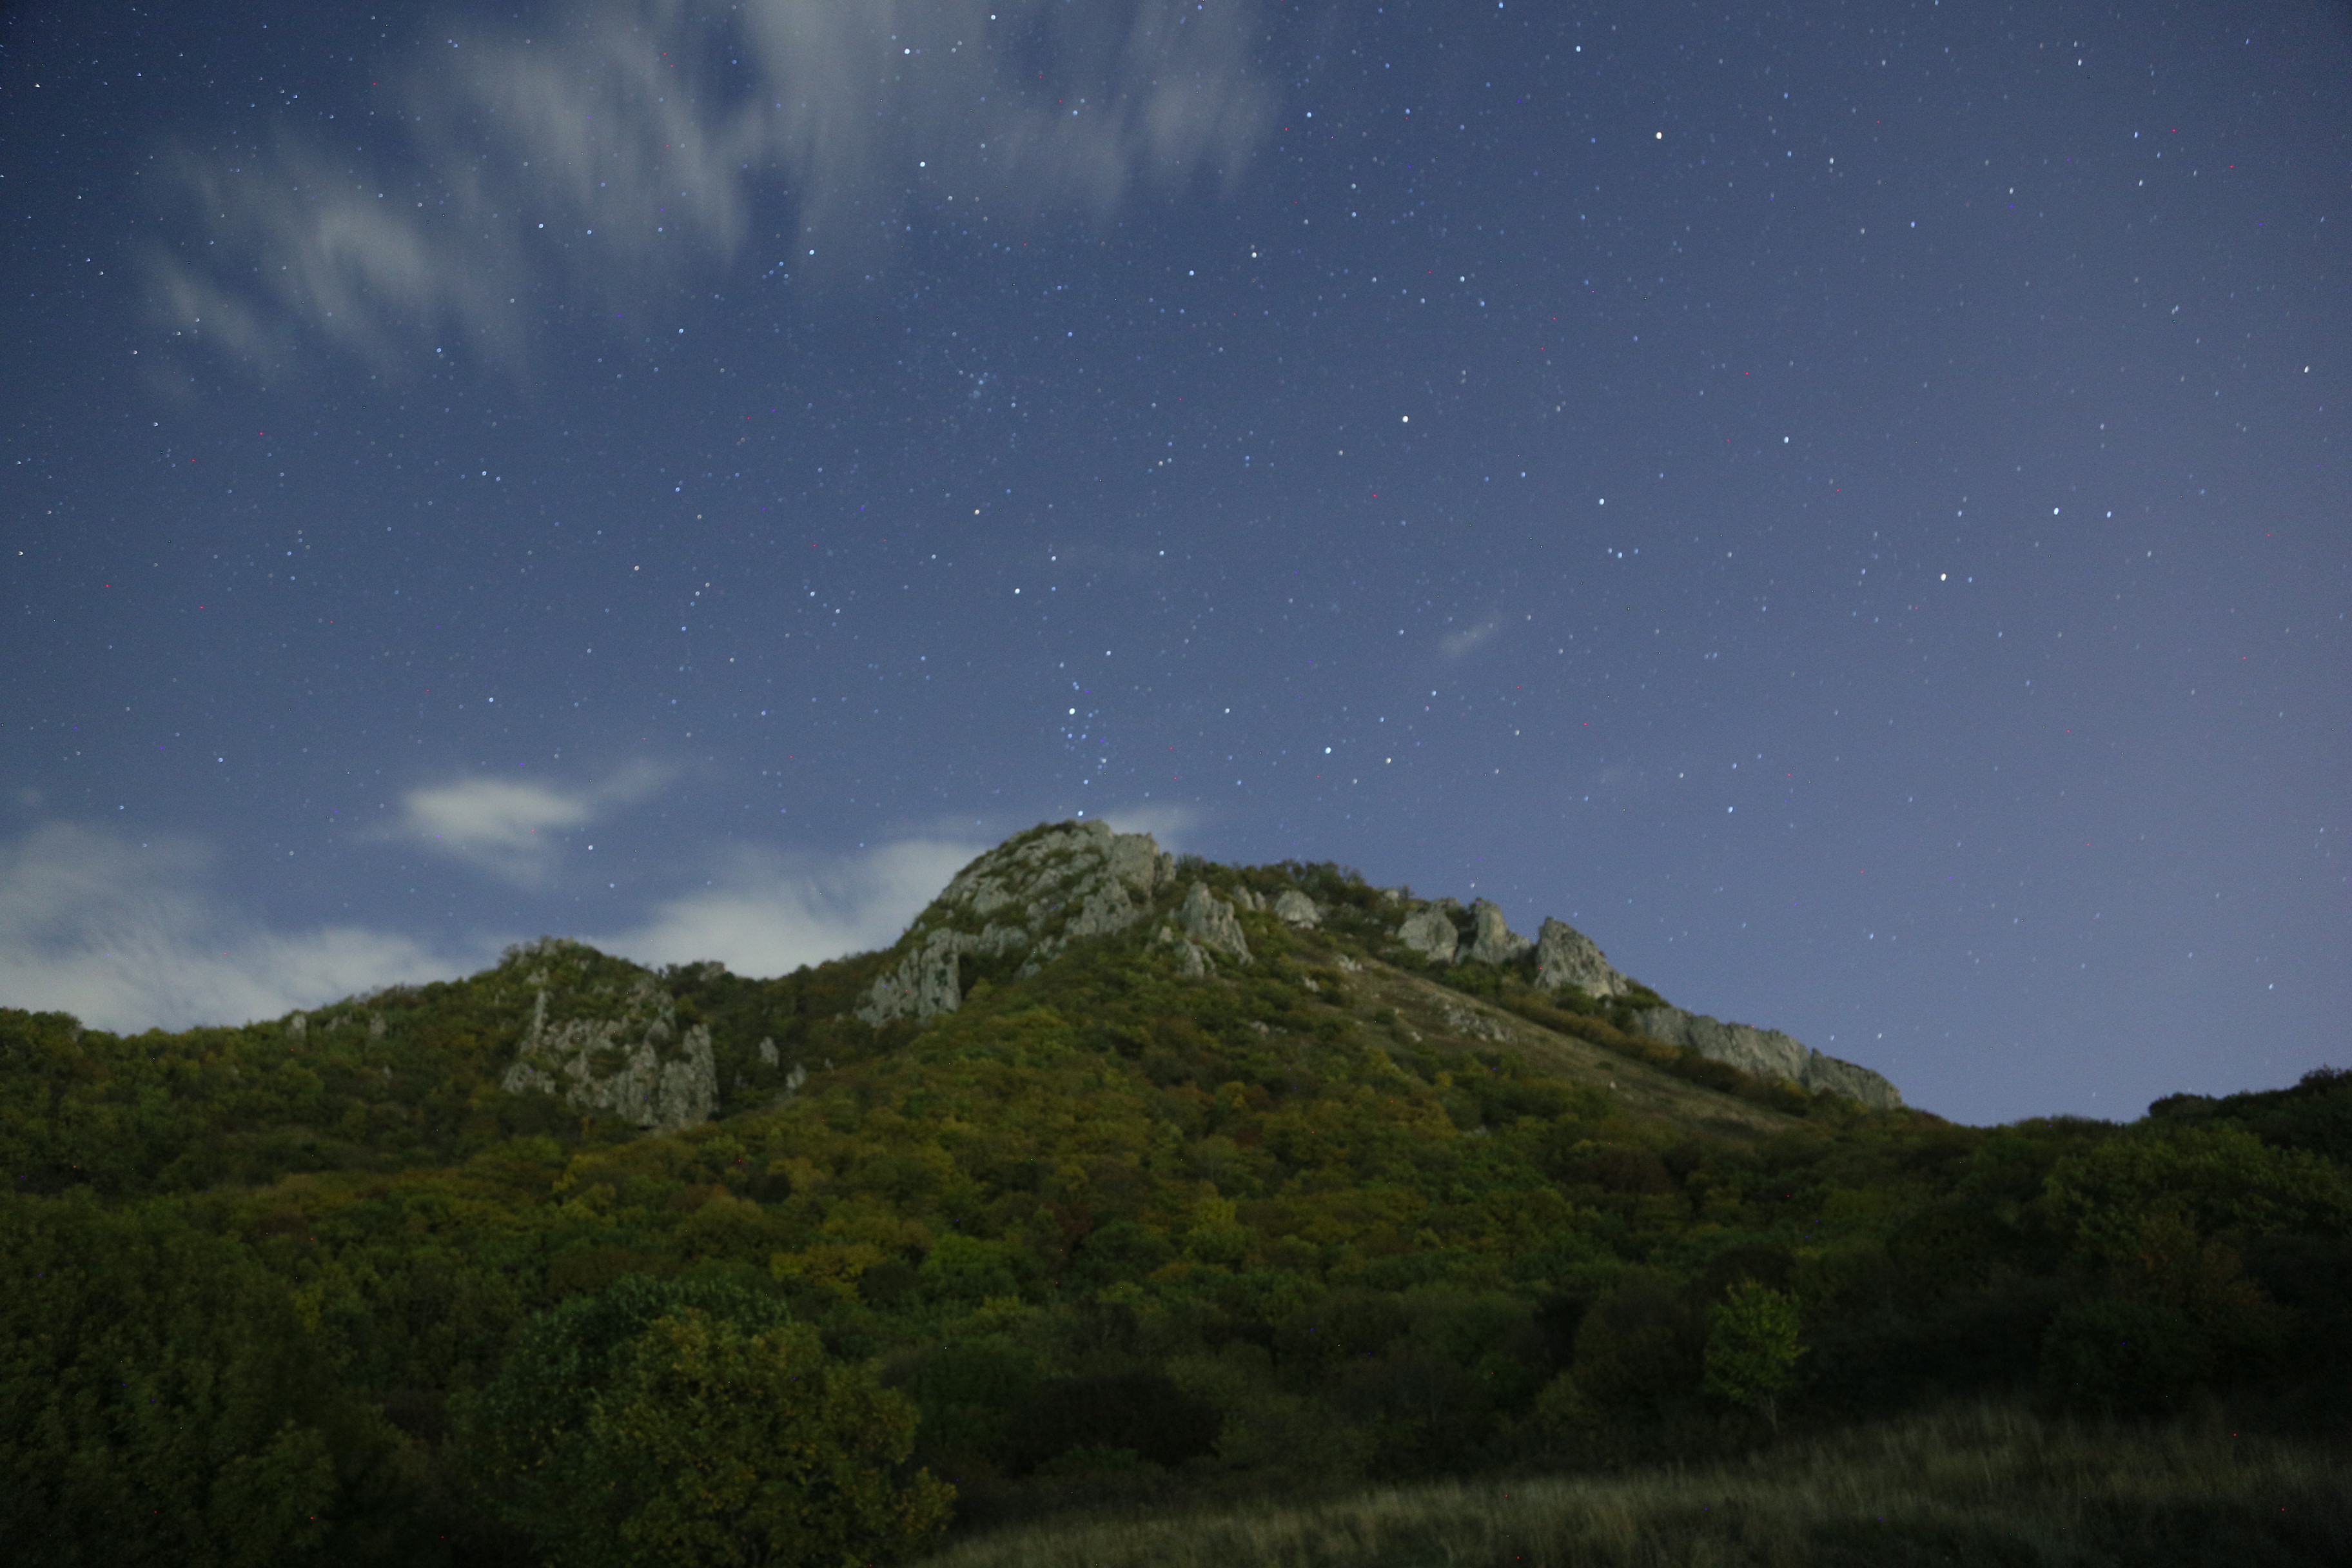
pixel 1974 1485
pixel 1457 1023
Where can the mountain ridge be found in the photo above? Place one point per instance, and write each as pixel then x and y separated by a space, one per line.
pixel 1019 906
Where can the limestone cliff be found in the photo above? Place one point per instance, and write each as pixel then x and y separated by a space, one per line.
pixel 1208 924
pixel 1029 897
pixel 633 1061
pixel 1492 940
pixel 1769 1054
pixel 1563 955
pixel 1566 956
pixel 1429 931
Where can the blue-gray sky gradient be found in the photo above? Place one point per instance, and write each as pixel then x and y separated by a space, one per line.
pixel 1846 506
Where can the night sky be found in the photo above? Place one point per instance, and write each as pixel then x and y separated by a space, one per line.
pixel 1847 504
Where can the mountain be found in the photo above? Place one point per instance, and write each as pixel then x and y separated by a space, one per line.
pixel 1119 1177
pixel 1451 975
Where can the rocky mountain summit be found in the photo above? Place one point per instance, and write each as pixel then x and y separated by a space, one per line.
pixel 1024 900
pixel 1010 914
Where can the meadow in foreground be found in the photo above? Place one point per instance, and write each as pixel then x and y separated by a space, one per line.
pixel 1975 1485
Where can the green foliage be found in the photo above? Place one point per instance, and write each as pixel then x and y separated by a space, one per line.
pixel 160 1399
pixel 2120 1356
pixel 1140 1413
pixel 2213 1179
pixel 681 1424
pixel 528 1427
pixel 1752 1346
pixel 1639 1351
pixel 2315 1114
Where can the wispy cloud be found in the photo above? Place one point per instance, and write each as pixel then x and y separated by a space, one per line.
pixel 769 914
pixel 1468 639
pixel 601 160
pixel 1165 821
pixel 512 827
pixel 128 937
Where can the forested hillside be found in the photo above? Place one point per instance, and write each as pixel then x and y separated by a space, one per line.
pixel 1127 1218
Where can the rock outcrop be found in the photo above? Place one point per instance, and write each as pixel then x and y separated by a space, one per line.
pixel 1210 921
pixel 1293 907
pixel 1492 940
pixel 1429 931
pixel 638 1064
pixel 1206 923
pixel 1566 956
pixel 930 980
pixel 1769 1054
pixel 1030 897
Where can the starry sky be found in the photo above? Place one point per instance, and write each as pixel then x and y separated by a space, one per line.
pixel 1846 503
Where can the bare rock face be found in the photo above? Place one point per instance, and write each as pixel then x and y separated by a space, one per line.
pixel 930 980
pixel 1295 908
pixel 1211 922
pixel 1032 895
pixel 1192 959
pixel 638 1064
pixel 1430 932
pixel 1769 1054
pixel 1566 956
pixel 1492 940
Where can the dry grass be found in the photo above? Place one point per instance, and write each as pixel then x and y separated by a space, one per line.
pixel 1983 1485
pixel 1431 1010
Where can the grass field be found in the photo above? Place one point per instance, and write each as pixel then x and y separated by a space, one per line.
pixel 1976 1485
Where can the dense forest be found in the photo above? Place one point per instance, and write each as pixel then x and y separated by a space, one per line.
pixel 1109 1235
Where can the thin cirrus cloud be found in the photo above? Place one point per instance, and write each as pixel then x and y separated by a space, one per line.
pixel 768 913
pixel 513 827
pixel 127 937
pixel 608 157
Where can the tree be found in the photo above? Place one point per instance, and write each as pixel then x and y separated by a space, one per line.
pixel 669 1423
pixel 159 1401
pixel 750 1448
pixel 1752 1347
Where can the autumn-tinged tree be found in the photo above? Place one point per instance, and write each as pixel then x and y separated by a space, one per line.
pixel 672 1424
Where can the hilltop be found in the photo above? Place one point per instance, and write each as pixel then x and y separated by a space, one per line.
pixel 1123 1177
pixel 1431 972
